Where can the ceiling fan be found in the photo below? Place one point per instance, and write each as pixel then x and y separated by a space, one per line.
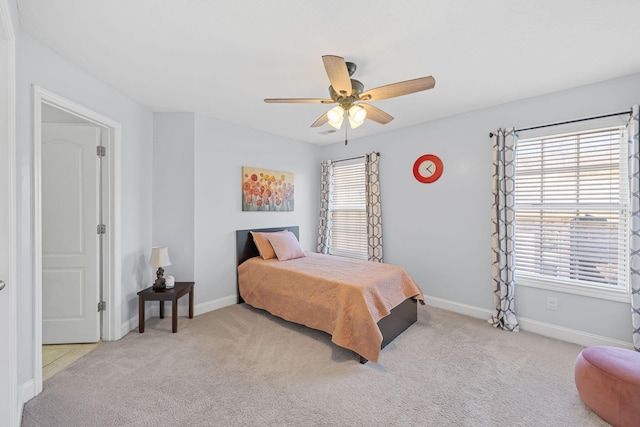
pixel 349 93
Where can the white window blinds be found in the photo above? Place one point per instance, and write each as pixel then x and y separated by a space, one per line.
pixel 349 211
pixel 572 208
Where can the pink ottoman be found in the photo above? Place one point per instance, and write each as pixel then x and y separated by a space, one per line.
pixel 608 380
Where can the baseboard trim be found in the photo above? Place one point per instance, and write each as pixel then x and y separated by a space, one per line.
pixel 530 325
pixel 468 310
pixel 570 335
pixel 183 310
pixel 214 305
pixel 27 392
pixel 541 328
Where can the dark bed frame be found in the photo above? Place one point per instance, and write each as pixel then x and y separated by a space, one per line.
pixel 401 317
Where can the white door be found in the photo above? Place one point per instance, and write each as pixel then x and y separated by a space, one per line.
pixel 70 242
pixel 8 320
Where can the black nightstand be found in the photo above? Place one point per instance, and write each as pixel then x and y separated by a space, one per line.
pixel 179 290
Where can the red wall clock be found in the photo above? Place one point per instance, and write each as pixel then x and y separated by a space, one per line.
pixel 428 168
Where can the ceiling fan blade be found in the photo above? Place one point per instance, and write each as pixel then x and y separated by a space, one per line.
pixel 399 89
pixel 321 120
pixel 298 100
pixel 338 74
pixel 376 114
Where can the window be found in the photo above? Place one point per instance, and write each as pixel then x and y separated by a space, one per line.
pixel 571 207
pixel 349 211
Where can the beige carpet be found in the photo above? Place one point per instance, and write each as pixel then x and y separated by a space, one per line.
pixel 240 366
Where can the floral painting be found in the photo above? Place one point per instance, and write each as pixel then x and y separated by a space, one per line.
pixel 266 190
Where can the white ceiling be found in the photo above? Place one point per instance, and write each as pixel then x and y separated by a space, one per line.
pixel 221 58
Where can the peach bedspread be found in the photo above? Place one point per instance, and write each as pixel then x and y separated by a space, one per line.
pixel 341 296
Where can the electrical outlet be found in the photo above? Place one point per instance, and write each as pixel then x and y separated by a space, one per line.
pixel 552 303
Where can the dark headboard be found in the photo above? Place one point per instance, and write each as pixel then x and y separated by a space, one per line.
pixel 245 248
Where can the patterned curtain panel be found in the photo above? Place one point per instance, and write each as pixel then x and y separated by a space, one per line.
pixel 374 211
pixel 634 231
pixel 503 229
pixel 324 229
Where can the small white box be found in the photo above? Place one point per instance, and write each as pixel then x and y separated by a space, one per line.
pixel 169 282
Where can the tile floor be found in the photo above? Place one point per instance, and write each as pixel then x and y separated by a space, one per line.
pixel 56 357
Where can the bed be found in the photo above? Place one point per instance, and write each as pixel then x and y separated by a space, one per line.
pixel 362 305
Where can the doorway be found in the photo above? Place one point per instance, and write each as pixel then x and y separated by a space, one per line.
pixel 105 246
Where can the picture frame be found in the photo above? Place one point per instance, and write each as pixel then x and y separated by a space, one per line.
pixel 265 190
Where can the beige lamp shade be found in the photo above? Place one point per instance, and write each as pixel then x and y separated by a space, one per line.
pixel 335 116
pixel 159 256
pixel 357 114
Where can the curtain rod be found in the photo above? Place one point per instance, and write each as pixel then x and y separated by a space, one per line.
pixel 353 158
pixel 570 121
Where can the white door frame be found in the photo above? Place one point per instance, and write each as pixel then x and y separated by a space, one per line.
pixel 9 113
pixel 111 193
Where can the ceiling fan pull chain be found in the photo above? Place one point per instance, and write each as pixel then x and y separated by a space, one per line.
pixel 346 127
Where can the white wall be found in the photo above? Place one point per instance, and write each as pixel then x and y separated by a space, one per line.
pixel 197 163
pixel 173 191
pixel 440 232
pixel 221 149
pixel 36 64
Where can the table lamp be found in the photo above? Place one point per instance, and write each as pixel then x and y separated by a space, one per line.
pixel 159 258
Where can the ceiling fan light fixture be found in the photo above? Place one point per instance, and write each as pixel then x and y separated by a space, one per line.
pixel 357 114
pixel 335 116
pixel 345 91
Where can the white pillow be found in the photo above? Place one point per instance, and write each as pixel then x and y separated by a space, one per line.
pixel 264 247
pixel 286 246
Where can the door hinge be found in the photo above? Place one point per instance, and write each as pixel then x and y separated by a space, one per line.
pixel 102 229
pixel 102 306
pixel 101 151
